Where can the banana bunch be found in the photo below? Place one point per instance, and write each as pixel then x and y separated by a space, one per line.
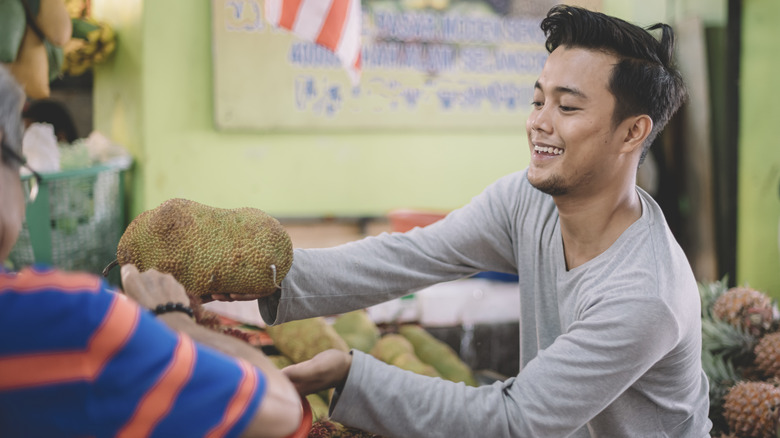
pixel 91 44
pixel 77 8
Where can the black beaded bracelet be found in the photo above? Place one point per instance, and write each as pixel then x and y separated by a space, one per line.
pixel 173 307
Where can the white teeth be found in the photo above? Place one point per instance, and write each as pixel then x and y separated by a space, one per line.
pixel 548 150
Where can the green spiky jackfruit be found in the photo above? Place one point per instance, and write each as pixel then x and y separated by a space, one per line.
pixel 319 407
pixel 209 250
pixel 357 328
pixel 410 362
pixel 303 339
pixel 438 354
pixel 280 361
pixel 390 346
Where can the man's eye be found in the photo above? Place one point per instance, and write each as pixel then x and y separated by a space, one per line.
pixel 565 108
pixel 536 104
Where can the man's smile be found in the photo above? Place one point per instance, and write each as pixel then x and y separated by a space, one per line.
pixel 548 150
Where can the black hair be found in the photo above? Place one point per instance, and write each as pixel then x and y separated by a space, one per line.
pixel 644 80
pixel 56 114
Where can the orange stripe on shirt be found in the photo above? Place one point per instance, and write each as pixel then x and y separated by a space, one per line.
pixel 239 402
pixel 29 280
pixel 159 400
pixel 289 13
pixel 37 369
pixel 333 26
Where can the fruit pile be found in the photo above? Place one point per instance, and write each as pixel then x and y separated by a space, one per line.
pixel 92 41
pixel 741 357
pixel 91 44
pixel 407 346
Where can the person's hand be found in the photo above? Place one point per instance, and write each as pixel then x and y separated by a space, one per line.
pixel 328 369
pixel 230 297
pixel 152 288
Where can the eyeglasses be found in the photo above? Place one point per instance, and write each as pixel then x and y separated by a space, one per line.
pixel 30 185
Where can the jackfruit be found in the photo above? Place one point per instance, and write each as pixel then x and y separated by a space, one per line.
pixel 209 250
pixel 303 339
pixel 357 329
pixel 410 362
pixel 319 407
pixel 390 346
pixel 438 354
pixel 280 361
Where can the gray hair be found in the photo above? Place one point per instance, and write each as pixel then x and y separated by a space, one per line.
pixel 11 100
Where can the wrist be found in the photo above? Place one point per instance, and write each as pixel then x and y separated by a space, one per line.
pixel 346 367
pixel 170 307
pixel 176 320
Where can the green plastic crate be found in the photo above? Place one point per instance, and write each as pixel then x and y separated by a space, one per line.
pixel 76 221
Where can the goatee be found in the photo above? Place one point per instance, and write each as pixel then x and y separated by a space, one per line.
pixel 553 186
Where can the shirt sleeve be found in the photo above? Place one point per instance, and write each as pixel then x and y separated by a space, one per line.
pixel 375 269
pixel 556 394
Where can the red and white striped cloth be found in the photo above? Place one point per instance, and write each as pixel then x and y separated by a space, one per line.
pixel 334 24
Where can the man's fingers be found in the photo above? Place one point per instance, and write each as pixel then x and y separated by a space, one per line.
pixel 128 270
pixel 231 297
pixel 245 297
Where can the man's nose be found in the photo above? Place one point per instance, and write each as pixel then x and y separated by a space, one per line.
pixel 539 119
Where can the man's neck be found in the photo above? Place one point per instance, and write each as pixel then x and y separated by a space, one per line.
pixel 589 226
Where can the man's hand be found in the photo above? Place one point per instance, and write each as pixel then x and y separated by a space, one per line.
pixel 151 288
pixel 326 370
pixel 230 297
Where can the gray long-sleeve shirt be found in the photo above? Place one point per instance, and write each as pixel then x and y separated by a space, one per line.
pixel 611 348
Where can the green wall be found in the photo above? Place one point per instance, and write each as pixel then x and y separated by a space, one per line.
pixel 758 260
pixel 164 93
pixel 155 97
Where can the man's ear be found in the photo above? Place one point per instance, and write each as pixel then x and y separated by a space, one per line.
pixel 639 128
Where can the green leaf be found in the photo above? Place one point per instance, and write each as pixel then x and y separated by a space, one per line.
pixel 82 27
pixel 721 338
pixel 709 293
pixel 12 27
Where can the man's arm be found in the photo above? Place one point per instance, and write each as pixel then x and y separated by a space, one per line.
pixel 280 412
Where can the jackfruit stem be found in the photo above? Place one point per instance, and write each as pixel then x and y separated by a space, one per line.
pixel 273 269
pixel 110 267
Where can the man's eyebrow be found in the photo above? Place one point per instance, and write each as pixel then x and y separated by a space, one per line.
pixel 563 90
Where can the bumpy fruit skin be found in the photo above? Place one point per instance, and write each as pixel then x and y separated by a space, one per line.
pixel 751 409
pixel 357 328
pixel 303 339
pixel 767 353
pixel 745 308
pixel 209 250
pixel 436 353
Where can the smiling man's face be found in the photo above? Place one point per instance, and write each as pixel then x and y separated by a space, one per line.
pixel 571 134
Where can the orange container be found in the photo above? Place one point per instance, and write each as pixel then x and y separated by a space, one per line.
pixel 403 220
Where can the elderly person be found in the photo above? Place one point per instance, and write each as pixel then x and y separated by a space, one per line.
pixel 79 359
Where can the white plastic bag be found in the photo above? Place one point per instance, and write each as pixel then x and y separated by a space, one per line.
pixel 39 146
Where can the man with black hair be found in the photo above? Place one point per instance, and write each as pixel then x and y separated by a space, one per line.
pixel 610 322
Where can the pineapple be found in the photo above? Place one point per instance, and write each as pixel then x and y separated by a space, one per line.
pixel 745 308
pixel 751 409
pixel 767 353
